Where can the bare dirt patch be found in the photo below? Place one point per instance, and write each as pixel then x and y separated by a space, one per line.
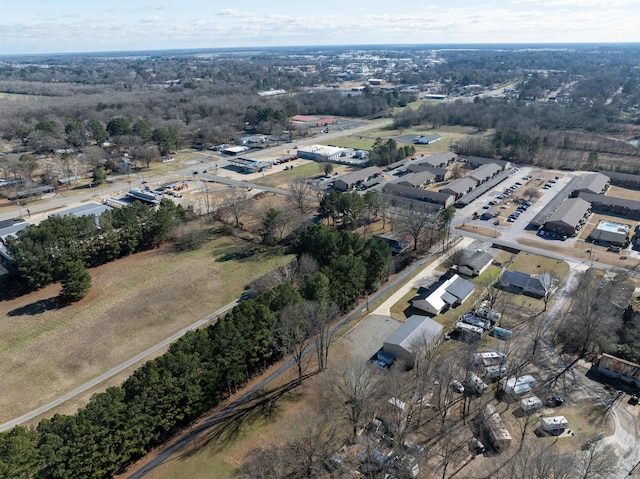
pixel 491 232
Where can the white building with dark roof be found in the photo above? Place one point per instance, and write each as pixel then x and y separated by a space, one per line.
pixel 444 294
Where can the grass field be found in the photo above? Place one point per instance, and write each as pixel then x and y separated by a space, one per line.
pixel 310 168
pixel 134 303
pixel 357 142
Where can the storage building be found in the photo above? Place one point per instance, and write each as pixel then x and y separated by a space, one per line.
pixel 415 333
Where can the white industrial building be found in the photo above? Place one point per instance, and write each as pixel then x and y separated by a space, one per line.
pixel 446 293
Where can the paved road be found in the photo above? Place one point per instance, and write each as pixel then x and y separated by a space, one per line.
pixel 165 454
pixel 117 369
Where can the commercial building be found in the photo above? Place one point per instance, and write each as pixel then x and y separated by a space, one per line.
pixel 448 292
pixel 321 152
pixel 248 165
pixel 143 195
pixel 415 334
pixel 10 229
pixel 352 180
pixel 569 217
pixel 396 189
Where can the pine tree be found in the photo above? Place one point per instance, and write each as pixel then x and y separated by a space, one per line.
pixel 76 282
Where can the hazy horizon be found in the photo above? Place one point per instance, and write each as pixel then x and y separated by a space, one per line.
pixel 76 26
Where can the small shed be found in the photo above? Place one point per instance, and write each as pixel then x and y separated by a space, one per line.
pixel 530 405
pixel 555 424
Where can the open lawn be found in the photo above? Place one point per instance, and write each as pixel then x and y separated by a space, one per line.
pixel 533 264
pixel 134 303
pixel 309 168
pixel 357 142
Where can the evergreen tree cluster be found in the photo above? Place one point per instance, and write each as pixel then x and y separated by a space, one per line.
pixel 42 253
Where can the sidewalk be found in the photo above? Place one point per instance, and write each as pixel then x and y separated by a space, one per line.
pixel 385 308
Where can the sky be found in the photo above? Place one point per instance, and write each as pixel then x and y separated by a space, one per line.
pixel 60 26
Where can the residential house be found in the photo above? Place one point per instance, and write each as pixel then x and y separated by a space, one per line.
pixel 475 263
pixel 522 283
pixel 618 368
pixel 449 291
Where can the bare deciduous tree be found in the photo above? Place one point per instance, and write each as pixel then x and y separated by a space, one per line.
pixel 293 333
pixel 302 196
pixel 414 223
pixel 354 388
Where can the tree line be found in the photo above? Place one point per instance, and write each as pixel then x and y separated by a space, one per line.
pixel 42 254
pixel 203 367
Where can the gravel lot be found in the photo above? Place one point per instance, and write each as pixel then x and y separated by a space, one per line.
pixel 366 338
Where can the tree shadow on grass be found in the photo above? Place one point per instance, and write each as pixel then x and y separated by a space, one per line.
pixel 38 307
pixel 228 424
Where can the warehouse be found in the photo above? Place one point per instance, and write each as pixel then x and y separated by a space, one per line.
pixel 569 217
pixel 321 152
pixel 415 333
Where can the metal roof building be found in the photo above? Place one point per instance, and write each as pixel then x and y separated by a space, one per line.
pixel 447 292
pixel 416 180
pixel 416 332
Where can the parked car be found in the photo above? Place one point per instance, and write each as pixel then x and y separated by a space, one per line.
pixel 457 386
pixel 555 401
pixel 476 446
pixel 614 249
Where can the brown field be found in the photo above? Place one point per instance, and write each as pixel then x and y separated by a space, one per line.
pixel 491 232
pixel 626 193
pixel 134 303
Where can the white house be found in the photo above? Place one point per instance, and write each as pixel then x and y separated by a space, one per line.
pixel 448 292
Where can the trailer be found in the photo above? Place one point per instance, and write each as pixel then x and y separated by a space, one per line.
pixel 554 424
pixel 475 383
pixel 469 331
pixel 501 333
pixel 384 359
pixel 530 405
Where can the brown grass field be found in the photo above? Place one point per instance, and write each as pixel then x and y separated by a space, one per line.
pixel 134 303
